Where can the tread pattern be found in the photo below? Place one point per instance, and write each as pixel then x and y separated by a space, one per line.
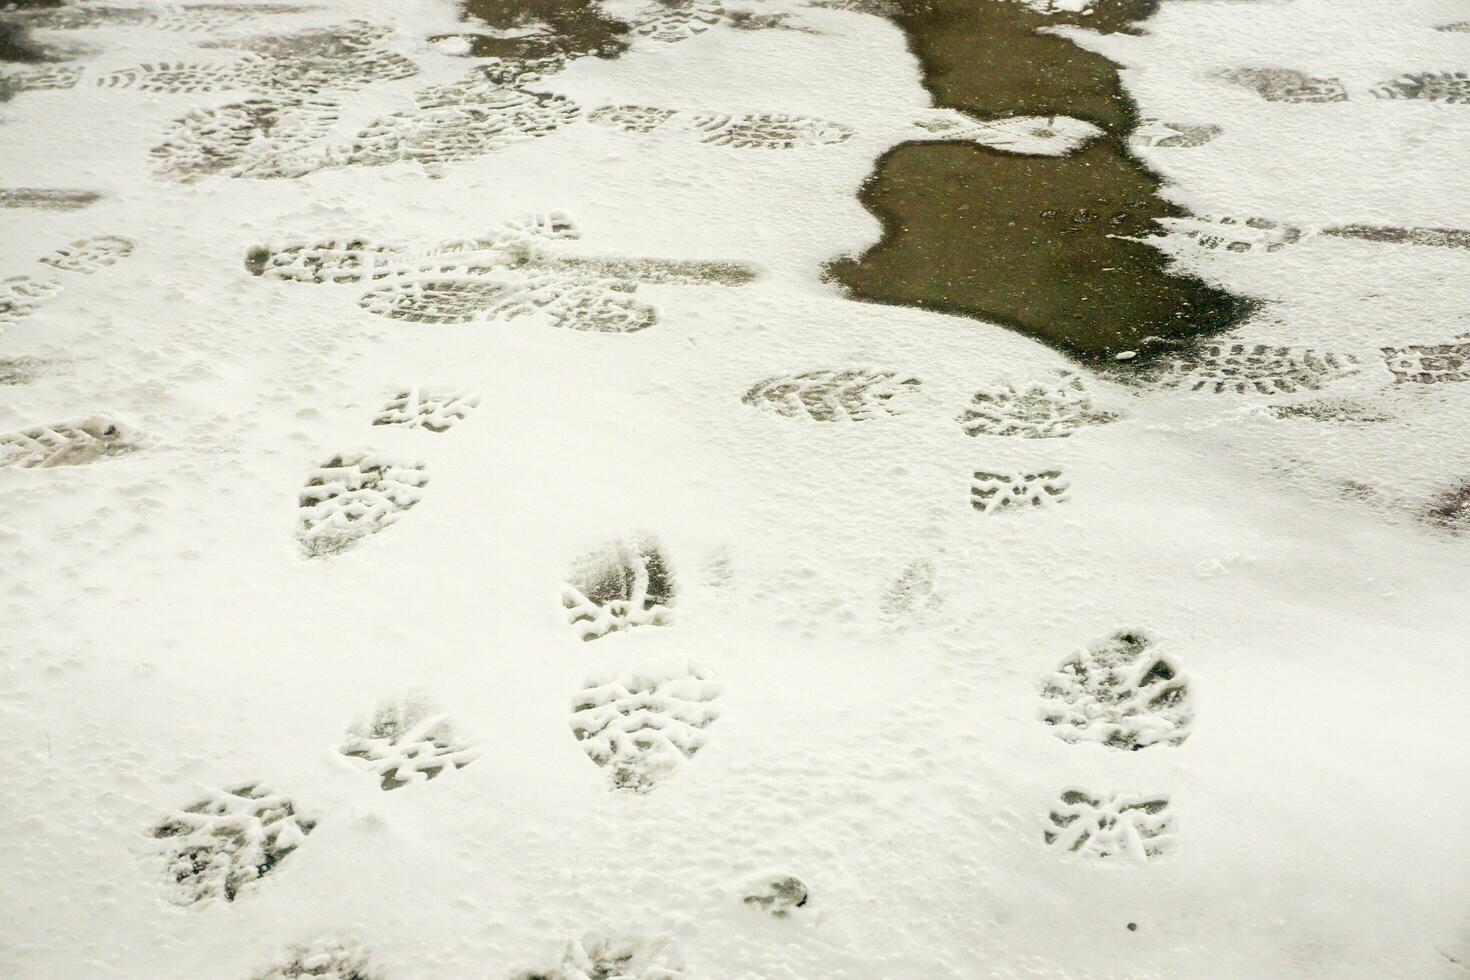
pixel 994 492
pixel 434 408
pixel 760 131
pixel 72 443
pixel 1286 85
pixel 229 840
pixel 1235 234
pixel 853 395
pixel 352 496
pixel 1038 411
pixel 1127 825
pixel 1258 368
pixel 22 296
pixel 1429 364
pixel 1452 87
pixel 1120 693
pixel 641 727
pixel 87 255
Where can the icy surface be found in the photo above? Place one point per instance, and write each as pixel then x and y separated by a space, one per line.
pixel 437 440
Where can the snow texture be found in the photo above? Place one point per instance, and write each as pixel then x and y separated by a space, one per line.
pixel 340 370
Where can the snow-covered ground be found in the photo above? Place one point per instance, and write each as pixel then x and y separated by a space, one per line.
pixel 849 653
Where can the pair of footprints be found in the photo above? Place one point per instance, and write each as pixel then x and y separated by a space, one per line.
pixel 509 273
pixel 24 295
pixel 640 727
pixel 353 495
pixel 225 842
pixel 1121 693
pixel 1288 85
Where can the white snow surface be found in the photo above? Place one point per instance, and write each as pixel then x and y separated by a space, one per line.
pixel 878 642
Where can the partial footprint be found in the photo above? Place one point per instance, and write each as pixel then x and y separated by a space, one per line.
pixel 39 80
pixel 671 21
pixel 1121 825
pixel 1234 234
pixel 1346 411
pixel 994 492
pixel 47 198
pixel 431 407
pixel 855 395
pixel 1429 364
pixel 597 958
pixel 592 307
pixel 1286 85
pixel 626 584
pixel 642 726
pixel 352 496
pixel 1258 368
pixel 87 255
pixel 1051 136
pixel 912 594
pixel 72 443
pixel 325 959
pixel 19 370
pixel 779 897
pixel 1389 235
pixel 228 840
pixel 1451 87
pixel 22 296
pixel 408 741
pixel 761 131
pixel 1174 136
pixel 1449 509
pixel 1052 410
pixel 1121 693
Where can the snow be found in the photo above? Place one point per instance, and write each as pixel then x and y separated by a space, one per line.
pixel 858 639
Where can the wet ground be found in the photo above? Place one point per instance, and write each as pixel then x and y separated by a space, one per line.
pixel 1045 245
pixel 531 29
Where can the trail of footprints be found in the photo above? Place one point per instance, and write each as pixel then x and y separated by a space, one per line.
pixel 642 726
